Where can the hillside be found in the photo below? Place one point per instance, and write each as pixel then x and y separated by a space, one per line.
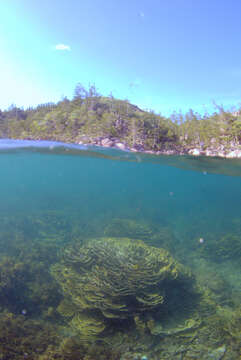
pixel 92 118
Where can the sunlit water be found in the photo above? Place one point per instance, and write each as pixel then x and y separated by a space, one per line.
pixel 86 189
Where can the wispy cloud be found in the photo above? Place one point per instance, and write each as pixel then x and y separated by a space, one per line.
pixel 135 83
pixel 62 47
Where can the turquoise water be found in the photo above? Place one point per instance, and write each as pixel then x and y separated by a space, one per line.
pixel 99 188
pixel 63 194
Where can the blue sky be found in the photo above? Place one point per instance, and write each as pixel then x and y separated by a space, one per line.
pixel 159 54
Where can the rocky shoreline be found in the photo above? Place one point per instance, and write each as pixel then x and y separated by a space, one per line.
pixel 229 152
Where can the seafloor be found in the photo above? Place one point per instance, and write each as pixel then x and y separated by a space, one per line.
pixel 51 279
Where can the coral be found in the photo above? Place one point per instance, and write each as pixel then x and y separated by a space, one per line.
pixel 227 247
pixel 217 289
pixel 128 228
pixel 71 349
pixel 88 326
pixel 50 223
pixel 163 238
pixel 22 338
pixel 13 276
pixel 140 324
pixel 66 308
pixel 11 273
pixel 117 277
pixel 26 285
pixel 173 327
pixel 231 321
pixel 159 237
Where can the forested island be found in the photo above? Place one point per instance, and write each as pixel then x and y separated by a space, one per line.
pixel 90 118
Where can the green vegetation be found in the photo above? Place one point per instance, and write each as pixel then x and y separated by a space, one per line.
pixel 91 118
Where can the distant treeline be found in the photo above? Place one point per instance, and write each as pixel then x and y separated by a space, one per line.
pixel 89 116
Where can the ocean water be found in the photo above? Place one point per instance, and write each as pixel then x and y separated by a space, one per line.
pixel 53 195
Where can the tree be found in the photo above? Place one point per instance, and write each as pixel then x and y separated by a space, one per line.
pixel 80 94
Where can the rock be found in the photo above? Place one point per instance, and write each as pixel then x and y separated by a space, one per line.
pixel 167 152
pixel 194 152
pixel 84 139
pixel 120 146
pixel 234 154
pixel 209 153
pixel 220 154
pixel 150 152
pixel 107 142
